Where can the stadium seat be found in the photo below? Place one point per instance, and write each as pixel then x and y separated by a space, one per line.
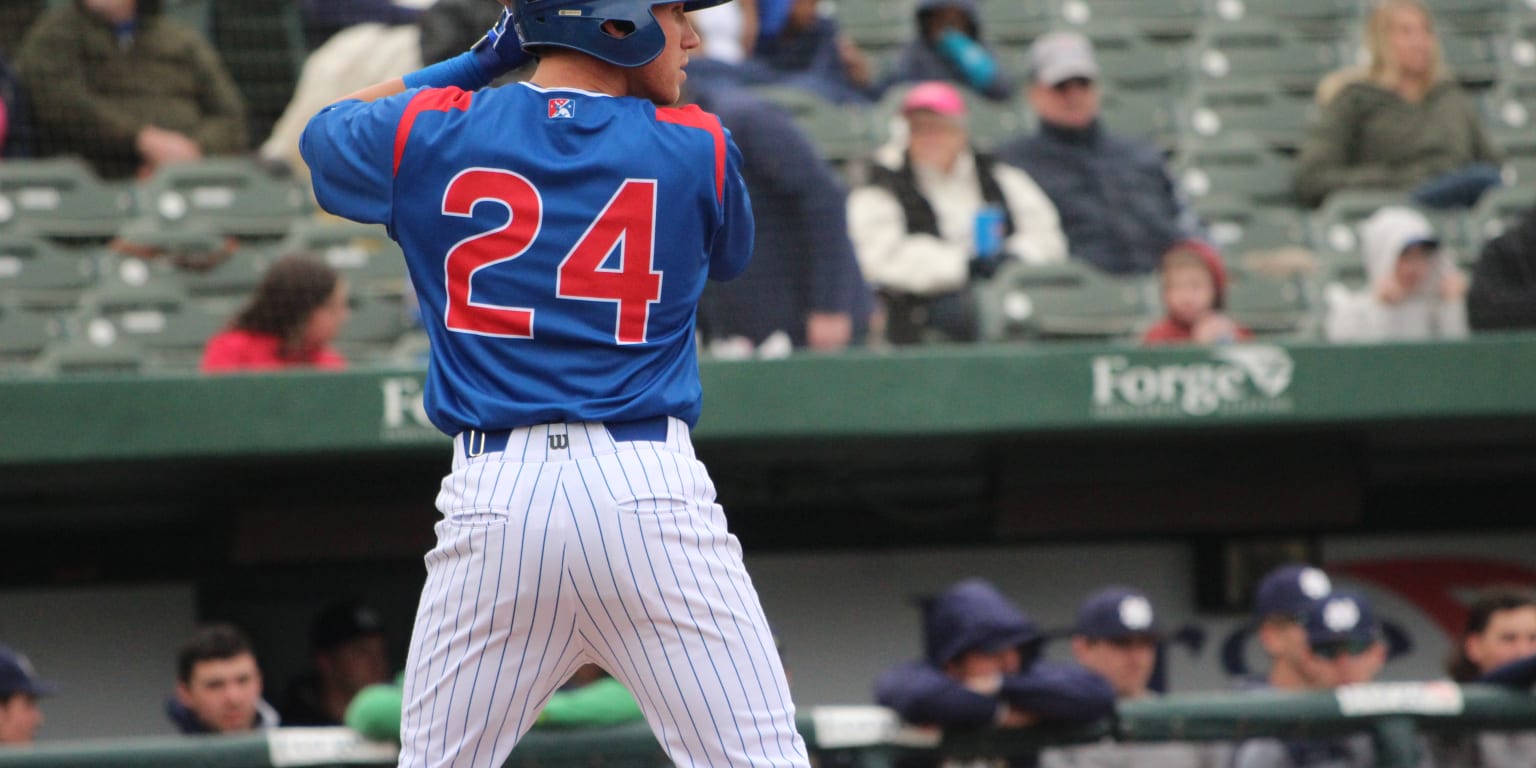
pixel 1169 20
pixel 1335 226
pixel 168 336
pixel 1260 48
pixel 1272 307
pixel 1472 56
pixel 234 196
pixel 376 325
pixel 1516 48
pixel 126 284
pixel 1498 210
pixel 1012 21
pixel 1062 301
pixel 95 348
pixel 1237 164
pixel 875 24
pixel 38 274
pixel 1259 107
pixel 1237 227
pixel 1128 60
pixel 1330 20
pixel 364 253
pixel 1145 115
pixel 1519 148
pixel 842 133
pixel 1469 15
pixel 60 198
pixel 1511 105
pixel 24 334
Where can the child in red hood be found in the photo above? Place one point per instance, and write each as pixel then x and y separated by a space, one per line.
pixel 1194 292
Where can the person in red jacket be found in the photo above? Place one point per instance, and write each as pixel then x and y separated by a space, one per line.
pixel 1194 292
pixel 297 311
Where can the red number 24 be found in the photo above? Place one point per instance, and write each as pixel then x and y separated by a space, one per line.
pixel 627 222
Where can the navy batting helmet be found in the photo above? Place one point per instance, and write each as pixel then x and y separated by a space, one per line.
pixel 578 25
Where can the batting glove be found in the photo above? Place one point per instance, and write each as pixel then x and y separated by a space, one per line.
pixel 500 51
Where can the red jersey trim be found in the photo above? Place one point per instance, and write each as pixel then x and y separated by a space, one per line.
pixel 693 117
pixel 430 100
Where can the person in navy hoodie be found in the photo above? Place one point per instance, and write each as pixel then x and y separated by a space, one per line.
pixel 980 669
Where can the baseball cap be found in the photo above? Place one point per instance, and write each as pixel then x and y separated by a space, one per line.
pixel 1342 620
pixel 1061 56
pixel 1290 590
pixel 340 623
pixel 17 675
pixel 934 96
pixel 1116 612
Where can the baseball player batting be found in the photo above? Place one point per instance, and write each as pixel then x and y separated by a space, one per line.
pixel 559 233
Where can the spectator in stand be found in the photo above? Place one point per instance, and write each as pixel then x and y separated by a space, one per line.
pixel 348 652
pixel 1194 281
pixel 1118 636
pixel 811 52
pixel 948 47
pixel 1500 631
pixel 20 690
pixel 981 670
pixel 323 18
pixel 218 685
pixel 1345 647
pixel 1118 205
pixel 1503 292
pixel 297 311
pixel 937 214
pixel 1414 293
pixel 803 288
pixel 1400 123
pixel 129 89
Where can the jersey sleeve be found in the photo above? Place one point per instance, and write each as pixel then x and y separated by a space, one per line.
pixel 350 150
pixel 732 246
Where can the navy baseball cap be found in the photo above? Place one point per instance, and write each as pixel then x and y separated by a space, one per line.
pixel 17 675
pixel 1290 590
pixel 1343 619
pixel 1116 612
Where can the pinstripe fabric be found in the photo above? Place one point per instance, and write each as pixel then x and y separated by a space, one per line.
pixel 604 552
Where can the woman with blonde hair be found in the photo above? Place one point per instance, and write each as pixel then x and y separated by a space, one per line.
pixel 1398 122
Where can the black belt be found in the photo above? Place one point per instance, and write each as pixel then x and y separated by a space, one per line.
pixel 649 430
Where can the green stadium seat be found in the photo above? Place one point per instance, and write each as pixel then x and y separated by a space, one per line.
pixel 1330 20
pixel 1007 22
pixel 1145 115
pixel 1063 301
pixel 364 253
pixel 60 198
pixel 93 348
pixel 39 274
pixel 1335 225
pixel 1260 48
pixel 1519 147
pixel 1237 227
pixel 1472 56
pixel 234 196
pixel 1516 48
pixel 167 336
pixel 24 334
pixel 876 24
pixel 1259 107
pixel 842 133
pixel 1272 307
pixel 1498 210
pixel 1511 105
pixel 376 325
pixel 1469 15
pixel 1161 19
pixel 126 284
pixel 1235 164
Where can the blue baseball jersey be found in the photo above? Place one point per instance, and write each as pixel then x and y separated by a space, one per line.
pixel 558 241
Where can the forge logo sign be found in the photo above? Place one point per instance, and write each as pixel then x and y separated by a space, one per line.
pixel 1235 381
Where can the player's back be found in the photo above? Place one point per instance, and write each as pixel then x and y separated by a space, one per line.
pixel 559 241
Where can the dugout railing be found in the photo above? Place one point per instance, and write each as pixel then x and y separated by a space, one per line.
pixel 1396 714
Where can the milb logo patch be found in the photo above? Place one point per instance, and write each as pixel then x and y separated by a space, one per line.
pixel 562 108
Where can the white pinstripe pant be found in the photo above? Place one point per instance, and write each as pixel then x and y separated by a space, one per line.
pixel 613 553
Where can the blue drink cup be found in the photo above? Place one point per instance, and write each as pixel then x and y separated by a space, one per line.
pixel 989 233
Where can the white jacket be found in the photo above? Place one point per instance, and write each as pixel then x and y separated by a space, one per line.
pixel 923 264
pixel 1361 316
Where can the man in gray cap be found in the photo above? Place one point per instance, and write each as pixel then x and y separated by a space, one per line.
pixel 1118 205
pixel 20 688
